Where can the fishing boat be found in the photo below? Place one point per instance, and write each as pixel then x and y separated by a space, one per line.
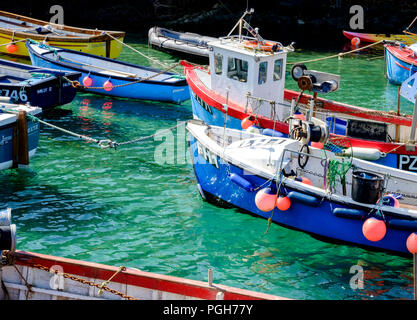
pixel 244 88
pixel 15 29
pixel 323 192
pixel 110 77
pixel 19 134
pixel 44 88
pixel 33 276
pixel 191 44
pixel 375 37
pixel 401 61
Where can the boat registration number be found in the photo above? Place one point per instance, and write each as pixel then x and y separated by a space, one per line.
pixel 210 157
pixel 407 162
pixel 14 94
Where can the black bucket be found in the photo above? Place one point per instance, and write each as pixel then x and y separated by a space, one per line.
pixel 366 187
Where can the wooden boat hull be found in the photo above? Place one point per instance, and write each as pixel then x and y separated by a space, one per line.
pixel 375 37
pixel 171 89
pixel 92 41
pixel 132 283
pixel 8 123
pixel 21 84
pixel 401 63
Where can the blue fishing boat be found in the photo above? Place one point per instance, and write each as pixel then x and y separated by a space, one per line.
pixel 317 191
pixel 110 77
pixel 19 134
pixel 43 88
pixel 401 61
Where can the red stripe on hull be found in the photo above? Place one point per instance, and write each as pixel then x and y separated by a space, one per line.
pixel 237 111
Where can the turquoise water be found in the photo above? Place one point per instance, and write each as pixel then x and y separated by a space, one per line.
pixel 123 207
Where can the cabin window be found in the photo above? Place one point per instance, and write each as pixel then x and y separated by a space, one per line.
pixel 278 69
pixel 218 63
pixel 263 66
pixel 237 69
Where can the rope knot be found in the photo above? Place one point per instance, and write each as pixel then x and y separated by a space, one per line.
pixel 104 144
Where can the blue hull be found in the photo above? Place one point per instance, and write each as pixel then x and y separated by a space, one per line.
pixel 316 219
pixel 397 70
pixel 146 90
pixel 6 142
pixel 46 91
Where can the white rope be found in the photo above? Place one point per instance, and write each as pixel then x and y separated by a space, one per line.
pixel 143 55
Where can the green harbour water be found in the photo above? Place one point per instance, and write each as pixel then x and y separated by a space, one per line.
pixel 124 207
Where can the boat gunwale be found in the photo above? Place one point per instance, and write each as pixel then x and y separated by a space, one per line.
pixel 139 278
pixel 392 49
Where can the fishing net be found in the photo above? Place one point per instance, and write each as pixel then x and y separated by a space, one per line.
pixel 337 167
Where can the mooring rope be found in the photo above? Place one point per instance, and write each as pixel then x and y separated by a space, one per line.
pixel 77 84
pixel 102 143
pixel 137 51
pixel 339 54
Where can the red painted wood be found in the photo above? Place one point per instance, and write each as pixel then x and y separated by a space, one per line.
pixel 187 287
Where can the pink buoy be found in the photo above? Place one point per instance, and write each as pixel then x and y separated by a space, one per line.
pixel 87 81
pixel 283 203
pixel 265 199
pixel 108 86
pixel 247 122
pixel 374 229
pixel 412 243
pixel 11 48
pixel 355 42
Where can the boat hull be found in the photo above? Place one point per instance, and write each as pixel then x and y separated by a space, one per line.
pixel 213 178
pixel 128 284
pixel 43 90
pixel 375 37
pixel 188 45
pixel 91 41
pixel 122 87
pixel 6 142
pixel 398 70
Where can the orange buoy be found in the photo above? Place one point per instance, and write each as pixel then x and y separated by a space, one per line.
pixel 355 42
pixel 247 122
pixel 374 229
pixel 283 203
pixel 266 46
pixel 306 181
pixel 11 48
pixel 87 81
pixel 265 199
pixel 108 86
pixel 412 243
pixel 317 145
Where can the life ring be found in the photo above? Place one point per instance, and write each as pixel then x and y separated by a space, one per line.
pixel 267 46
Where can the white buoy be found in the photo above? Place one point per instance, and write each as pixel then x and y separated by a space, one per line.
pixel 364 153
